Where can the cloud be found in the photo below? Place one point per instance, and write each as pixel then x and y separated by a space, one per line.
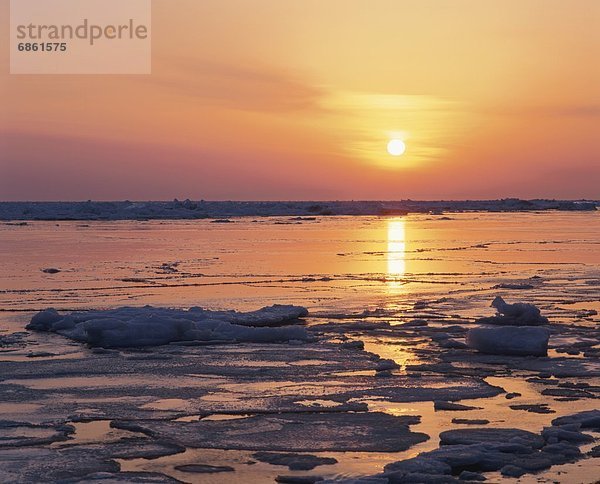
pixel 246 87
pixel 550 111
pixel 366 121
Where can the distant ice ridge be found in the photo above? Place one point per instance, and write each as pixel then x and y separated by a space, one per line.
pixel 150 326
pixel 189 209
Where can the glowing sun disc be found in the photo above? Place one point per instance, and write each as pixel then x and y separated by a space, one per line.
pixel 396 147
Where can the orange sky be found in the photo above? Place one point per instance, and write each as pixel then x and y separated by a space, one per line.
pixel 282 99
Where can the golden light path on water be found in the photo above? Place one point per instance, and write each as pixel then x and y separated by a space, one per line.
pixel 396 253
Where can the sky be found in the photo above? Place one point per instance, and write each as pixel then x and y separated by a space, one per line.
pixel 297 100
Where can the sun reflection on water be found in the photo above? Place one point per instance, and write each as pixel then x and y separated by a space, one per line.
pixel 396 253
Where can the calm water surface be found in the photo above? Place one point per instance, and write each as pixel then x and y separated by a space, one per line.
pixel 341 263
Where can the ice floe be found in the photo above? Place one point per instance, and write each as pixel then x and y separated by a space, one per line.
pixel 513 452
pixel 83 463
pixel 150 326
pixel 515 331
pixel 449 406
pixel 294 462
pixel 510 340
pixel 21 434
pixel 365 431
pixel 203 468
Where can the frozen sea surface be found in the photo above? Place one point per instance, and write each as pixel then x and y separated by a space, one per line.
pixel 390 301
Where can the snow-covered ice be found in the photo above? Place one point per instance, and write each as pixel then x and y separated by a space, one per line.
pixel 517 314
pixel 149 326
pixel 519 333
pixel 510 340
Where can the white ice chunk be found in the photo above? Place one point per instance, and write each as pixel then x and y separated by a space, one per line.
pixel 510 340
pixel 518 314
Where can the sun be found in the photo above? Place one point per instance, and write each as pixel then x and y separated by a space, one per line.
pixel 396 147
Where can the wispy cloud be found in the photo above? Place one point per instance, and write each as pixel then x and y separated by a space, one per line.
pixel 246 87
pixel 549 111
pixel 366 121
